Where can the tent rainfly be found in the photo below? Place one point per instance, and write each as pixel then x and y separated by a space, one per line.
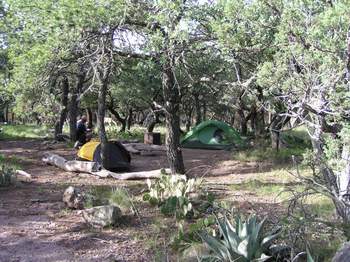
pixel 212 134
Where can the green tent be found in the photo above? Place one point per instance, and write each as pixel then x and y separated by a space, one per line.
pixel 212 134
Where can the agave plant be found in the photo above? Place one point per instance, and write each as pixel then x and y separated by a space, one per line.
pixel 244 241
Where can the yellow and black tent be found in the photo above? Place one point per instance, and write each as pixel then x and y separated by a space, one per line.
pixel 117 158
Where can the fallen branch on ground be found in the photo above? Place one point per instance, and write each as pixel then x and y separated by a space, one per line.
pixel 139 148
pixel 23 173
pixel 94 168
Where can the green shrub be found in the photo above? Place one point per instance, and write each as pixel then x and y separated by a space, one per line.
pixel 16 132
pixel 243 241
pixel 171 194
pixel 261 154
pixel 103 195
pixel 185 239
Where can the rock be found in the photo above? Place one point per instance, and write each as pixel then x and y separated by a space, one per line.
pixel 73 199
pixel 196 250
pixel 343 254
pixel 102 216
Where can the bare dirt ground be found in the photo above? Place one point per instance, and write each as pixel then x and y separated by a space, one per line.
pixel 35 225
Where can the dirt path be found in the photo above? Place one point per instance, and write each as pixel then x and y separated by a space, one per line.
pixel 35 226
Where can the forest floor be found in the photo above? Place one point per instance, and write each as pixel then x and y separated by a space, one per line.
pixel 36 226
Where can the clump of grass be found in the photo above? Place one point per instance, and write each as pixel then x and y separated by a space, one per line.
pixel 293 143
pixel 18 132
pixel 7 176
pixel 261 188
pixel 104 195
pixel 284 155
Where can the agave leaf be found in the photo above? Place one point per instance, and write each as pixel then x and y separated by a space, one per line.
pixel 233 238
pixel 215 245
pixel 269 238
pixel 251 224
pixel 238 225
pixel 222 228
pixel 262 258
pixel 255 236
pixel 309 257
pixel 243 248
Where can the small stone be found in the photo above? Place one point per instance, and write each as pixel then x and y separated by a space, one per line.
pixel 102 216
pixel 73 199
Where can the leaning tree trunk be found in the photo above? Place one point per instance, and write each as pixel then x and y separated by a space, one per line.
pixel 73 108
pixel 102 93
pixel 172 105
pixel 117 116
pixel 152 123
pixel 64 110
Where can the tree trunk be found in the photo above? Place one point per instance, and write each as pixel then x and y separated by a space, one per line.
pixel 243 122
pixel 275 129
pixel 6 114
pixel 198 109
pixel 253 120
pixel 117 116
pixel 102 93
pixel 204 110
pixel 64 107
pixel 89 114
pixel 188 120
pixel 73 108
pixel 130 119
pixel 260 122
pixel 172 105
pixel 152 123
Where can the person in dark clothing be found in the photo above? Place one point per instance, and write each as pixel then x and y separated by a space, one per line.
pixel 81 132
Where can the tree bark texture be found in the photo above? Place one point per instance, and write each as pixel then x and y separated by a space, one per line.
pixel 90 121
pixel 64 107
pixel 73 107
pixel 172 105
pixel 102 93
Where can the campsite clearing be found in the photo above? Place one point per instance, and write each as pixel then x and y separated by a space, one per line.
pixel 36 226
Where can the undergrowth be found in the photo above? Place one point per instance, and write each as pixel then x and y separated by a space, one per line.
pixel 18 132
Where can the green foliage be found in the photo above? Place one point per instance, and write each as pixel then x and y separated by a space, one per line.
pixel 187 238
pixel 7 176
pixel 17 132
pixel 243 241
pixel 171 194
pixel 104 195
pixel 135 133
pixel 284 155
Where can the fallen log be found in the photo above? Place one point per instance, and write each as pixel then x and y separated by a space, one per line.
pixel 145 147
pixel 23 173
pixel 131 149
pixel 139 148
pixel 131 175
pixel 70 166
pixel 95 169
